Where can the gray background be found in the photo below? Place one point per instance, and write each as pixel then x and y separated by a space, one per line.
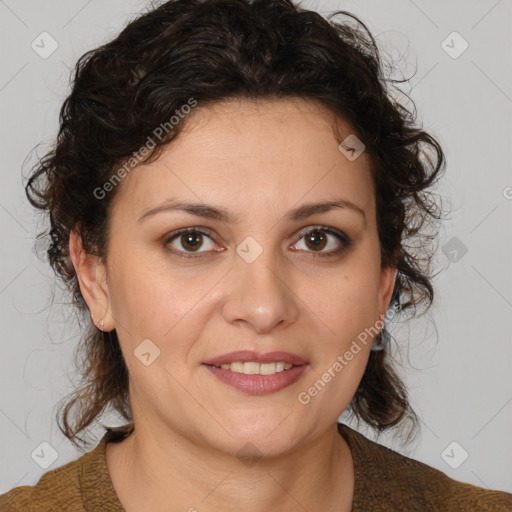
pixel 457 365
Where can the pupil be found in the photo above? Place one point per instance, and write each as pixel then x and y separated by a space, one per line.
pixel 189 239
pixel 313 236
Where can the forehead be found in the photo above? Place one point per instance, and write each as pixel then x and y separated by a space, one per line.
pixel 251 154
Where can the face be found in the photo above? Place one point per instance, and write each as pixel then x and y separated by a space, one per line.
pixel 262 279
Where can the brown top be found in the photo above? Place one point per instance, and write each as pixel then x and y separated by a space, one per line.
pixel 384 481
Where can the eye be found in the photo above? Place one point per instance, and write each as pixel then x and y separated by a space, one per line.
pixel 190 240
pixel 315 238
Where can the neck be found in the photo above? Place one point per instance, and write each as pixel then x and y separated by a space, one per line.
pixel 154 469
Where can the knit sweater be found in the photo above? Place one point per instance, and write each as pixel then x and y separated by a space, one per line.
pixel 384 481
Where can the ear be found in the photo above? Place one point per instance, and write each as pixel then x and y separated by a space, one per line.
pixel 386 287
pixel 92 278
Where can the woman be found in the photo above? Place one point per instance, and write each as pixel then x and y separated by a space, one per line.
pixel 231 197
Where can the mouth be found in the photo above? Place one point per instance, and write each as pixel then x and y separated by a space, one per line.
pixel 254 368
pixel 257 374
pixel 250 356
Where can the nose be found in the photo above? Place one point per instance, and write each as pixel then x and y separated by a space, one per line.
pixel 260 295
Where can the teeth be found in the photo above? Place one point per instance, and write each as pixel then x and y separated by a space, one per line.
pixel 280 366
pixel 251 368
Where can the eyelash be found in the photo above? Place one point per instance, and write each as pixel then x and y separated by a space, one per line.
pixel 346 242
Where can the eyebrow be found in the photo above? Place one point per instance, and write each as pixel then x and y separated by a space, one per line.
pixel 220 214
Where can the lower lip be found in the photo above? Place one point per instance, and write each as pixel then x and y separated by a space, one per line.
pixel 259 384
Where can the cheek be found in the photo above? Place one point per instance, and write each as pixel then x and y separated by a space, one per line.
pixel 150 301
pixel 135 293
pixel 347 303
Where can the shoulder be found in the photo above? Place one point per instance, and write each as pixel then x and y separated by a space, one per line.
pixel 387 480
pixel 66 488
pixel 54 490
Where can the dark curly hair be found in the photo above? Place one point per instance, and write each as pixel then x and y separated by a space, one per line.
pixel 211 50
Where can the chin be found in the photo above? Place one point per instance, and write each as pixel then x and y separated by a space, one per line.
pixel 256 447
pixel 266 434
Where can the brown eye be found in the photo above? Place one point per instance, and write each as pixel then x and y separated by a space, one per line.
pixel 189 240
pixel 318 238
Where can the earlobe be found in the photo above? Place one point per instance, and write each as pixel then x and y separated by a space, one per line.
pixel 91 275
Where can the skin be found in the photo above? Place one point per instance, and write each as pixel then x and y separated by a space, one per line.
pixel 258 160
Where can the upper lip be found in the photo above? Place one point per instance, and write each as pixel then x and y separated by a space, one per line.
pixel 250 355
